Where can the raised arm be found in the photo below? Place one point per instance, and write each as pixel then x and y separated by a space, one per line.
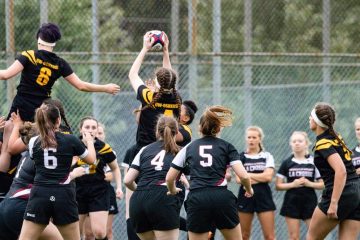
pixel 135 80
pixel 74 80
pixel 166 56
pixel 15 144
pixel 89 142
pixel 11 71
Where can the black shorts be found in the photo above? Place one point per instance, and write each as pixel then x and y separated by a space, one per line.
pixel 208 207
pixel 93 197
pixel 26 105
pixel 299 206
pixel 11 217
pixel 262 200
pixel 349 202
pixel 113 209
pixel 5 183
pixel 154 210
pixel 56 203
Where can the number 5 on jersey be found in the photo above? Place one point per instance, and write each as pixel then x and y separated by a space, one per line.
pixel 208 159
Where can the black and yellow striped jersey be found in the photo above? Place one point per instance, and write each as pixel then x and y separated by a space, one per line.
pixel 166 105
pixel 41 70
pixel 95 172
pixel 186 133
pixel 326 145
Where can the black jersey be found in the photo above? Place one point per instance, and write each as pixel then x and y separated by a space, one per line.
pixel 207 159
pixel 356 157
pixel 257 163
pixel 53 164
pixel 24 178
pixel 326 145
pixel 95 172
pixel 41 70
pixel 186 132
pixel 292 169
pixel 153 163
pixel 167 105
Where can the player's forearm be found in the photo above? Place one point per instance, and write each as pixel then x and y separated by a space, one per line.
pixel 339 183
pixel 166 60
pixel 261 177
pixel 134 70
pixel 316 185
pixel 90 87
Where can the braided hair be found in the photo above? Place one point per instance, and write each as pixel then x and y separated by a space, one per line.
pixel 60 106
pixel 167 80
pixel 326 114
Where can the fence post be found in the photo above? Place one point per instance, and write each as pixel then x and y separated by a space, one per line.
pixel 10 47
pixel 326 71
pixel 247 59
pixel 44 12
pixel 192 43
pixel 95 56
pixel 216 49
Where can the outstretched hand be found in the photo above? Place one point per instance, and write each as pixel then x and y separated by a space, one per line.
pixel 148 41
pixel 16 119
pixel 112 88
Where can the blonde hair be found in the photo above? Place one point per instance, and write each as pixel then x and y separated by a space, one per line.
pixel 214 118
pixel 357 121
pixel 261 135
pixel 306 137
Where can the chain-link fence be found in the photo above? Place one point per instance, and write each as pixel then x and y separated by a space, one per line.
pixel 270 61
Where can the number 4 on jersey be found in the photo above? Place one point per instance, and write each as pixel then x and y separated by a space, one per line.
pixel 158 160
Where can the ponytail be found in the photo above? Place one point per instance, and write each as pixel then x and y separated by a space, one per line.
pixel 166 129
pixel 45 118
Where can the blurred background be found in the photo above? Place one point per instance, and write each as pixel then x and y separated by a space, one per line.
pixel 270 61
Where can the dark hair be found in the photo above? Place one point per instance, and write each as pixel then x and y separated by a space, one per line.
pixel 27 131
pixel 166 129
pixel 87 118
pixel 45 118
pixel 213 119
pixel 191 109
pixel 49 32
pixel 166 78
pixel 326 114
pixel 60 106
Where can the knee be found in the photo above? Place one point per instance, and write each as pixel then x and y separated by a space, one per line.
pixel 294 236
pixel 269 236
pixel 99 233
pixel 245 235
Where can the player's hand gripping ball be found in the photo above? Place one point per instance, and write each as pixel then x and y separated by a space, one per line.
pixel 157 38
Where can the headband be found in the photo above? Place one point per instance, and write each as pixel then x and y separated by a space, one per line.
pixel 42 42
pixel 317 120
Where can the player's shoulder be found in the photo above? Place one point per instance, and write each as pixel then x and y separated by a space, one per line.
pixel 102 147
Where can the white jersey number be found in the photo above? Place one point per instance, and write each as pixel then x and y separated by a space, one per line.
pixel 208 159
pixel 50 162
pixel 158 160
